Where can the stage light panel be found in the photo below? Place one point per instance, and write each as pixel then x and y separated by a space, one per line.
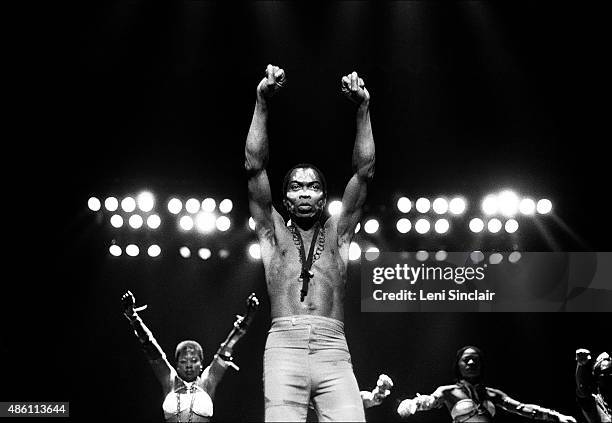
pixel 422 226
pixel 175 206
pixel 335 207
pixel 128 204
pixel 371 226
pixel 111 204
pixel 404 204
pixel 403 225
pixel 145 201
pixel 226 205
pixel 116 221
pixel 440 205
pixel 422 205
pixel 94 204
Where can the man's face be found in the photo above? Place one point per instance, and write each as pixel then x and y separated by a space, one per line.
pixel 469 364
pixel 189 365
pixel 304 197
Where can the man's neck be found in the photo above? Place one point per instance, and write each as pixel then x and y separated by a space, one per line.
pixel 304 224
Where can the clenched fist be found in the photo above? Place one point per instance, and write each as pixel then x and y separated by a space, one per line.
pixel 274 80
pixel 354 88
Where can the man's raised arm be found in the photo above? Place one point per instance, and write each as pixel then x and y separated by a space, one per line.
pixel 363 158
pixel 256 152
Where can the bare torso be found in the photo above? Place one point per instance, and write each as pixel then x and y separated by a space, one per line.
pixel 282 267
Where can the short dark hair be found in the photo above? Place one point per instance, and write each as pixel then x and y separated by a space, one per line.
pixel 305 166
pixel 189 344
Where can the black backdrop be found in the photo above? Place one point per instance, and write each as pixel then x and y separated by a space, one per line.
pixel 466 97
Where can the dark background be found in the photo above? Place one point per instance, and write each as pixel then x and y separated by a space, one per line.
pixel 467 98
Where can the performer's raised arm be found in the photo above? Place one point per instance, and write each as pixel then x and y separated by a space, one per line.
pixel 256 153
pixel 584 377
pixel 410 406
pixel 355 192
pixel 157 358
pixel 379 393
pixel 527 410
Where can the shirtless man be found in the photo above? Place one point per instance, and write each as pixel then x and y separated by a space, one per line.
pixel 306 356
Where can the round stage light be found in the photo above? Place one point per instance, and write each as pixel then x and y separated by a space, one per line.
pixel 252 223
pixel 154 250
pixel 135 221
pixel 441 226
pixel 421 255
pixel 116 221
pixel 111 204
pixel 440 205
pixel 128 204
pixel 495 258
pixel 357 227
pixel 403 225
pixel 145 201
pixel 185 252
pixel 205 222
pixel 192 205
pixel 441 255
pixel 153 221
pixel 186 223
pixel 204 253
pixel 255 251
pixel 422 205
pixel 422 226
pixel 476 225
pixel 508 203
pixel 354 251
pixel 175 206
pixel 94 204
pixel 514 257
pixel 544 206
pixel 477 256
pixel 224 253
pixel 404 205
pixel 457 205
pixel 371 226
pixel 372 253
pixel 223 223
pixel 132 250
pixel 494 225
pixel 527 206
pixel 226 206
pixel 334 207
pixel 114 250
pixel 208 205
pixel 490 205
pixel 511 226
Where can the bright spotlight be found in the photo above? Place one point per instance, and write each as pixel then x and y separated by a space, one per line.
pixel 357 227
pixel 94 204
pixel 441 255
pixel 476 225
pixel 422 205
pixel 223 223
pixel 186 223
pixel 252 223
pixel 132 250
pixel 154 250
pixel 116 221
pixel 511 226
pixel 225 206
pixel 422 226
pixel 404 205
pixel 457 205
pixel 372 253
pixel 490 205
pixel 494 225
pixel 440 205
pixel 527 206
pixel 153 221
pixel 544 206
pixel 192 205
pixel 421 255
pixel 477 256
pixel 135 221
pixel 495 258
pixel 514 257
pixel 403 225
pixel 205 222
pixel 145 201
pixel 255 251
pixel 508 203
pixel 114 250
pixel 185 252
pixel 175 206
pixel 354 251
pixel 208 205
pixel 441 226
pixel 335 207
pixel 128 204
pixel 204 253
pixel 111 204
pixel 224 253
pixel 371 226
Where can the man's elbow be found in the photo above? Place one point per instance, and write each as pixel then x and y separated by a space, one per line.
pixel 253 165
pixel 365 172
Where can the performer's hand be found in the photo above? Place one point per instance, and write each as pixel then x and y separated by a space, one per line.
pixel 274 80
pixel 566 419
pixel 383 389
pixel 583 356
pixel 354 88
pixel 127 304
pixel 407 407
